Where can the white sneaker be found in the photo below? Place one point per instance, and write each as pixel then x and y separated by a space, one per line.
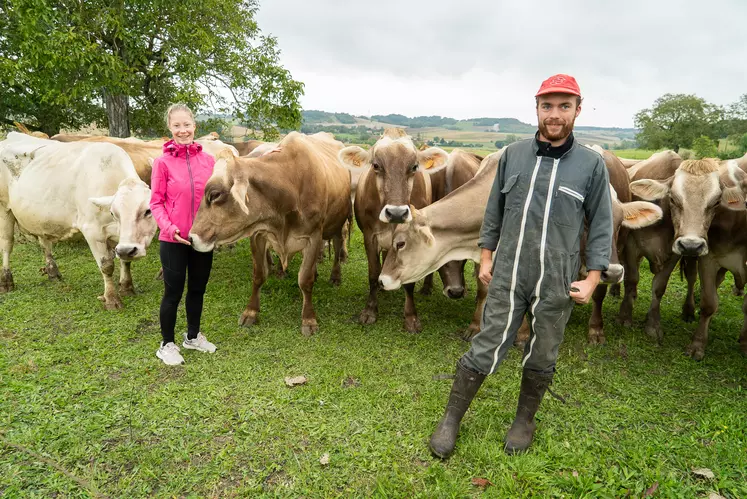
pixel 200 343
pixel 169 354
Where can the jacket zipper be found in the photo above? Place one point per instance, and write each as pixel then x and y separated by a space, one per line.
pixel 192 184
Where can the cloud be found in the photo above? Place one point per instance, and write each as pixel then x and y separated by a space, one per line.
pixel 485 58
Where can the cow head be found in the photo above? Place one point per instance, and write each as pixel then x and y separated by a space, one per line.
pixel 234 200
pixel 412 253
pixel 694 193
pixel 631 216
pixel 394 161
pixel 130 207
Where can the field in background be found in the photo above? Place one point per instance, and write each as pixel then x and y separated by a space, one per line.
pixel 86 408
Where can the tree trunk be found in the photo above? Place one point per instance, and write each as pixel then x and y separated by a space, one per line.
pixel 118 112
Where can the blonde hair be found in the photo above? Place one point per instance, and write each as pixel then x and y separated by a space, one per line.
pixel 178 107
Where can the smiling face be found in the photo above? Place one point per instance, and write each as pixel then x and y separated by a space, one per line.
pixel 556 114
pixel 182 126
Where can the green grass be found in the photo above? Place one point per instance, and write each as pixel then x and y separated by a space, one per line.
pixel 82 391
pixel 633 153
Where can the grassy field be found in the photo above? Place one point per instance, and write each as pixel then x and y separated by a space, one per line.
pixel 86 409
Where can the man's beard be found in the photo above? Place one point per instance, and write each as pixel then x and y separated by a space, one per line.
pixel 564 132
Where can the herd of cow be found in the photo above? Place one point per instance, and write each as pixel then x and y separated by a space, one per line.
pixel 420 211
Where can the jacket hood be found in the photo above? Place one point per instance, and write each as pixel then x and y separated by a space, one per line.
pixel 174 149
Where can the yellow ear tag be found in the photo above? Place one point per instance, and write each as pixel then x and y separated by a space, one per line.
pixel 630 217
pixel 357 162
pixel 428 164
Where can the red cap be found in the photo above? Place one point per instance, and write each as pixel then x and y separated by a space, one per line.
pixel 559 84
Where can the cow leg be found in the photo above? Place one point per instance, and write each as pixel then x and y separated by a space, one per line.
pixel 260 267
pixel 738 289
pixel 427 287
pixel 126 288
pixel 615 290
pixel 369 314
pixel 339 246
pixel 690 270
pixel 306 277
pixel 596 322
pixel 482 294
pixel 658 288
pixel 412 322
pixel 7 222
pixel 50 267
pixel 105 260
pixel 707 270
pixel 743 335
pixel 522 335
pixel 345 242
pixel 632 263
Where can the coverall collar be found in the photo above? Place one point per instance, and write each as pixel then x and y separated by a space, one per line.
pixel 542 148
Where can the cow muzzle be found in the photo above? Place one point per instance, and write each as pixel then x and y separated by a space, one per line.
pixel 200 245
pixel 614 274
pixel 393 214
pixel 128 252
pixel 454 292
pixel 387 283
pixel 690 246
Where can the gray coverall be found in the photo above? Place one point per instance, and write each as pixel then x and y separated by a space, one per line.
pixel 533 221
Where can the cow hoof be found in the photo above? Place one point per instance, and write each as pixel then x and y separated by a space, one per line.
pixel 159 276
pixel 344 257
pixel 6 281
pixel 52 272
pixel 412 325
pixel 625 322
pixel 596 336
pixel 111 302
pixel 309 329
pixel 470 332
pixel 520 344
pixel 126 290
pixel 688 314
pixel 615 290
pixel 654 332
pixel 696 351
pixel 335 280
pixel 426 291
pixel 281 274
pixel 737 291
pixel 367 317
pixel 248 318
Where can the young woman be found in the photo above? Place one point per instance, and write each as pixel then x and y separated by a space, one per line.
pixel 177 182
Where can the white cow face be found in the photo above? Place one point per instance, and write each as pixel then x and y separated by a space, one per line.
pixel 130 207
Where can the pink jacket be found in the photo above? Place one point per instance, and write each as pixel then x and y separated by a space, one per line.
pixel 177 182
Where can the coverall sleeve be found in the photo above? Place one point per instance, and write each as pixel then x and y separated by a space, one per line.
pixel 598 208
pixel 158 182
pixel 490 231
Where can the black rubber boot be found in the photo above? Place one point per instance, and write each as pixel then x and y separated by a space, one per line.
pixel 533 387
pixel 466 384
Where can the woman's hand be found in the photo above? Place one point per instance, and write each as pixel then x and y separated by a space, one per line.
pixel 180 239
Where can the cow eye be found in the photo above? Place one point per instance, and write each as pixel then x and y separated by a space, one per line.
pixel 376 167
pixel 399 245
pixel 148 213
pixel 414 168
pixel 214 196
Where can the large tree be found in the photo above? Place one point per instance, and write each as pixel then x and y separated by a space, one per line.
pixel 676 120
pixel 63 63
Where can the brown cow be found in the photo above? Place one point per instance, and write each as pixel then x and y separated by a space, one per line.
pixel 706 206
pixel 449 229
pixel 395 176
pixel 290 200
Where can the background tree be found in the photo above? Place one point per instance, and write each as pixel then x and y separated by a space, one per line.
pixel 676 120
pixel 63 63
pixel 704 147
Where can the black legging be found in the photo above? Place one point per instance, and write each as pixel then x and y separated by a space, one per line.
pixel 178 261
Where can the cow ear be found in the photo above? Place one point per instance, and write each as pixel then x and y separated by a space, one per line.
pixel 640 214
pixel 151 161
pixel 425 232
pixel 238 191
pixel 732 198
pixel 354 157
pixel 432 159
pixel 103 202
pixel 650 190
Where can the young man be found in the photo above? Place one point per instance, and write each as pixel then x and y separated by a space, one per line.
pixel 544 190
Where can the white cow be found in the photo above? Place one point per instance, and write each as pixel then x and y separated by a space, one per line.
pixel 55 190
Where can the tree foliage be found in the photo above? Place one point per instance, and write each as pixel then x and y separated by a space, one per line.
pixel 704 147
pixel 676 120
pixel 61 59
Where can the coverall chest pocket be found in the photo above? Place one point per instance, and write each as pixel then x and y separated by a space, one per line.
pixel 568 206
pixel 512 192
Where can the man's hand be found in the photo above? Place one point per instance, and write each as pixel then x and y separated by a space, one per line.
pixel 486 266
pixel 585 288
pixel 180 239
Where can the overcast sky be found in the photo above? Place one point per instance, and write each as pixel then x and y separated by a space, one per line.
pixel 473 58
